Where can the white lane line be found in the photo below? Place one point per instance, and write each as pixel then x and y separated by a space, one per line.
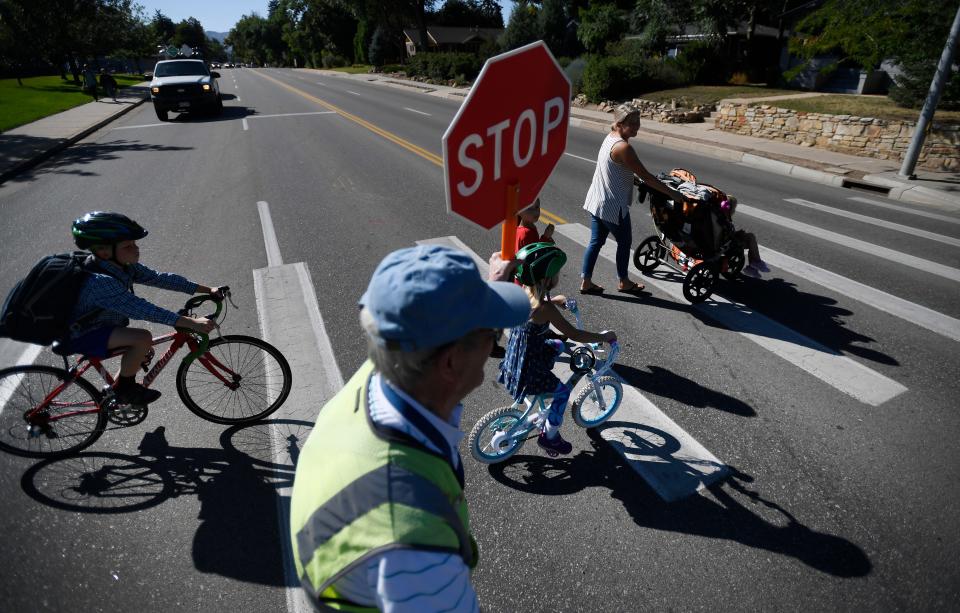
pixel 293 114
pixel 581 158
pixel 940 238
pixel 828 365
pixel 16 353
pixel 25 354
pixel 145 125
pixel 922 316
pixel 897 257
pixel 406 108
pixel 354 93
pixel 290 319
pixel 907 209
pixel 246 126
pixel 321 83
pixel 670 460
pixel 238 99
pixel 269 236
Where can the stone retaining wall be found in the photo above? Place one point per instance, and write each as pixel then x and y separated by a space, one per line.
pixel 866 136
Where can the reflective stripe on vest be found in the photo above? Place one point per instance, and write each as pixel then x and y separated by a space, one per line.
pixel 389 484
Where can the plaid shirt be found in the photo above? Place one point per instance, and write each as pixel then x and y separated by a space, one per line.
pixel 112 291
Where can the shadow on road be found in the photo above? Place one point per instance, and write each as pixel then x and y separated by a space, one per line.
pixel 662 382
pixel 722 513
pixel 239 532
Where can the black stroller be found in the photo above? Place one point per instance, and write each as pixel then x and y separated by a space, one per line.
pixel 698 241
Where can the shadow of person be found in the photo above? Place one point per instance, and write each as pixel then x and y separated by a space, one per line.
pixel 662 382
pixel 814 316
pixel 719 512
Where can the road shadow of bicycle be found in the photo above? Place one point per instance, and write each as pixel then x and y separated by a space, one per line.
pixel 238 488
pixel 721 512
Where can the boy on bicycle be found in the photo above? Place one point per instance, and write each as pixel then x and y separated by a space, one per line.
pixel 106 302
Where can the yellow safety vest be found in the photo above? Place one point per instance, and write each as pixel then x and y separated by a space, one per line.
pixel 362 489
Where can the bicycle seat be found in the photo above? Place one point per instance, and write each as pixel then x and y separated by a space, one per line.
pixel 60 349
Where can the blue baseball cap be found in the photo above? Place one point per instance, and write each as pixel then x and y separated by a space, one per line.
pixel 427 296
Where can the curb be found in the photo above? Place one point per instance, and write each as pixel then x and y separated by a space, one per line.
pixel 66 142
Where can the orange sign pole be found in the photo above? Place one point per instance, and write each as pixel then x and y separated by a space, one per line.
pixel 508 235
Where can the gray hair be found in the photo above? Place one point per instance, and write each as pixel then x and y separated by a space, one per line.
pixel 404 368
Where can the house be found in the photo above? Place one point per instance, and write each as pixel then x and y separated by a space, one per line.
pixel 448 38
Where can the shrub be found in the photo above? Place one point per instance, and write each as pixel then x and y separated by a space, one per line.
pixel 702 63
pixel 619 77
pixel 911 86
pixel 332 60
pixel 739 78
pixel 462 67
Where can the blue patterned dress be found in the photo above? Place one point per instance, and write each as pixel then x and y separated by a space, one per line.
pixel 527 367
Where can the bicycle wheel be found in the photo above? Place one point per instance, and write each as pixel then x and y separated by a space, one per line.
pixel 589 410
pixel 646 257
pixel 488 439
pixel 238 380
pixel 70 421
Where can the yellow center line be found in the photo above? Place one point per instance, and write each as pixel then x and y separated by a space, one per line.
pixel 390 136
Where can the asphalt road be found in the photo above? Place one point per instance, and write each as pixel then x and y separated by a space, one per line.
pixel 831 501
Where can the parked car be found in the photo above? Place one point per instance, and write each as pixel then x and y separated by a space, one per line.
pixel 184 86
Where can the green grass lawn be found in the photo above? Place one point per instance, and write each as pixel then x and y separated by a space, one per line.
pixel 43 96
pixel 355 69
pixel 711 94
pixel 862 106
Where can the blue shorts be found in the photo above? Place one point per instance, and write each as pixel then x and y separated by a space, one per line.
pixel 92 343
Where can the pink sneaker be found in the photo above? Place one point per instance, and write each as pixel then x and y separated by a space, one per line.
pixel 761 266
pixel 554 446
pixel 750 271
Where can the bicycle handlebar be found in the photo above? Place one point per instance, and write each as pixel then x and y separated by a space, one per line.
pixel 222 294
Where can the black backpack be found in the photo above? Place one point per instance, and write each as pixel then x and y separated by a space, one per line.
pixel 38 308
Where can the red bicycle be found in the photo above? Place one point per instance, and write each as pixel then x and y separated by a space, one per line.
pixel 47 411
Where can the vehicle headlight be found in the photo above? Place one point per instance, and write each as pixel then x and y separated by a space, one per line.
pixel 206 87
pixel 155 90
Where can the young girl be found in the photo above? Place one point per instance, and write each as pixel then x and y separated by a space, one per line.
pixel 528 366
pixel 748 241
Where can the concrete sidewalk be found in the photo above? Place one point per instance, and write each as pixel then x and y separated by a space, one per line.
pixel 30 144
pixel 938 189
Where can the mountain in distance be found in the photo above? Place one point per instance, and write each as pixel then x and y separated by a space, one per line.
pixel 216 35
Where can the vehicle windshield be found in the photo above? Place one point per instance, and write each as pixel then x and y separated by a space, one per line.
pixel 181 69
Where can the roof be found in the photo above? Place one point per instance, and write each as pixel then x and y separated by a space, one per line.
pixel 447 35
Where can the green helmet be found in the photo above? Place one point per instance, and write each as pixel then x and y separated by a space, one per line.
pixel 104 228
pixel 539 261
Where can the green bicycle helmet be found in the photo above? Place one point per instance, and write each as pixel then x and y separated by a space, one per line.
pixel 539 261
pixel 103 228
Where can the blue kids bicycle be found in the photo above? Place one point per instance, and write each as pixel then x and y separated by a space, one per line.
pixel 502 432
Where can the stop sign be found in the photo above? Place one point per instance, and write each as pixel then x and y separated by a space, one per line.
pixel 511 130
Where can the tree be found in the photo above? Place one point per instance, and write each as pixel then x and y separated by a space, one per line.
pixel 162 28
pixel 190 32
pixel 601 24
pixel 468 13
pixel 553 26
pixel 866 32
pixel 523 27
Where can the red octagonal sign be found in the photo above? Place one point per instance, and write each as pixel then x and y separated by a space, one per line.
pixel 511 130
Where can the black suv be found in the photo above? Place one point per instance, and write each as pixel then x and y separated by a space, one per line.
pixel 184 86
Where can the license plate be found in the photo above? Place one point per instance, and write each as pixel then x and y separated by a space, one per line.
pixel 183 104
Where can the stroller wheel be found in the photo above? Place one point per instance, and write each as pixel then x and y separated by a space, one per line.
pixel 646 257
pixel 699 282
pixel 735 263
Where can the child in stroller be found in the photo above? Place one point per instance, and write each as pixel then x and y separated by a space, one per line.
pixel 695 237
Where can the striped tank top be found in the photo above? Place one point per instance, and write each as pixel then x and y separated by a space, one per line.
pixel 611 190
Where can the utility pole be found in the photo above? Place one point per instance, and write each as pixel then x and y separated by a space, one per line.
pixel 933 97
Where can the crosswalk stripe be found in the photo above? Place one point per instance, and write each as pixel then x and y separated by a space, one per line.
pixel 671 461
pixel 948 240
pixel 907 209
pixel 934 268
pixel 828 365
pixel 922 316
